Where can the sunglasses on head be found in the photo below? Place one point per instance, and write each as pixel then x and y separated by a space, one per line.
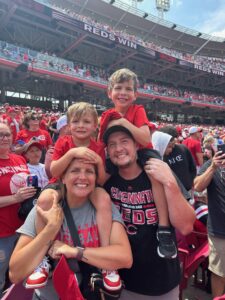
pixel 34 118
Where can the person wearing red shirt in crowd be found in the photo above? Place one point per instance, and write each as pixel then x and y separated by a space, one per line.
pixel 2 114
pixel 13 175
pixel 43 120
pixel 32 132
pixel 12 122
pixel 194 145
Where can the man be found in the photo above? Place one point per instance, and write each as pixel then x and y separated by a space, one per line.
pixel 211 176
pixel 180 159
pixel 130 189
pixel 194 145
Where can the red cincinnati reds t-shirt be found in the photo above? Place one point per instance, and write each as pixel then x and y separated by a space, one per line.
pixel 13 175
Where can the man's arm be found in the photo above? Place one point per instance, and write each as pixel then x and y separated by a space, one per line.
pixel 202 181
pixel 181 214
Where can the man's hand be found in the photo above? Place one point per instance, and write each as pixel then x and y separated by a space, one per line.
pixel 218 160
pixel 159 170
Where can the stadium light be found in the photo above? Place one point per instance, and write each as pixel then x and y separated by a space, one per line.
pixel 162 6
pixel 145 15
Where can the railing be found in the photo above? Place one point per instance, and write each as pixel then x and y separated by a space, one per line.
pixel 44 61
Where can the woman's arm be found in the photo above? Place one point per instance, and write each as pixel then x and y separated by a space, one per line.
pixel 115 256
pixel 30 251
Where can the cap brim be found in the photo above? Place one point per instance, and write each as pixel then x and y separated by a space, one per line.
pixel 113 129
pixel 33 144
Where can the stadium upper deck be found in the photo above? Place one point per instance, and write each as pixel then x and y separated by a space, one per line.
pixel 48 28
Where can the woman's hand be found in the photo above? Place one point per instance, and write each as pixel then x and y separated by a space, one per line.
pixel 59 248
pixel 52 217
pixel 24 193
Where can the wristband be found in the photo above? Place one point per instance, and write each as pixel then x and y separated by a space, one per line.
pixel 80 253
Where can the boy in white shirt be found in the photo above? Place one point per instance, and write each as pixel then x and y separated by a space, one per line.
pixel 33 153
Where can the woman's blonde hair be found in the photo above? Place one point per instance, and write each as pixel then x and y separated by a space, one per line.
pixel 123 75
pixel 81 108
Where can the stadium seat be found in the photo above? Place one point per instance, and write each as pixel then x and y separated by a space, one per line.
pixel 193 253
pixel 220 297
pixel 18 292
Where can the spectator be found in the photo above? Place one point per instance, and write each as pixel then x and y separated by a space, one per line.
pixel 13 174
pixel 33 153
pixel 194 145
pixel 32 132
pixel 211 176
pixel 130 189
pixel 180 160
pixel 116 255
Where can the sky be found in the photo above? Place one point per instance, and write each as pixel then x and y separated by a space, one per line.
pixel 206 16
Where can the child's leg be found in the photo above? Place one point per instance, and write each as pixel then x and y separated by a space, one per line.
pixel 40 275
pixel 103 205
pixel 166 248
pixel 160 203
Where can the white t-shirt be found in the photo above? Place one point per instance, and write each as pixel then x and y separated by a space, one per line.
pixel 39 170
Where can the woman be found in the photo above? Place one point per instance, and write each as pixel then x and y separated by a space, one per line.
pixel 79 182
pixel 32 132
pixel 13 191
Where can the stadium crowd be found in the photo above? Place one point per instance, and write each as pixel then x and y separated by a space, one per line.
pixel 210 62
pixel 156 174
pixel 47 61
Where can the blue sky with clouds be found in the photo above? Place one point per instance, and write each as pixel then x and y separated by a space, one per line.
pixel 206 16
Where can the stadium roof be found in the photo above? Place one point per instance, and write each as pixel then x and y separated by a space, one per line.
pixel 152 28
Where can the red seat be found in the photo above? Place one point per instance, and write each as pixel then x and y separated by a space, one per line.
pixel 193 252
pixel 18 292
pixel 220 297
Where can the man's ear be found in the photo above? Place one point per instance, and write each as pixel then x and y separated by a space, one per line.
pixel 109 93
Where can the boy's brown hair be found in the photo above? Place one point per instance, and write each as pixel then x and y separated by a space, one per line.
pixel 123 75
pixel 81 108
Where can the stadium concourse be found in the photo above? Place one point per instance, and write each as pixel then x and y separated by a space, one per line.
pixel 55 53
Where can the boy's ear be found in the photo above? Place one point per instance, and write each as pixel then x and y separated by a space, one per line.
pixel 135 96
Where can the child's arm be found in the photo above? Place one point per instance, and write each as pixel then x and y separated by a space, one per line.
pixel 141 134
pixel 59 166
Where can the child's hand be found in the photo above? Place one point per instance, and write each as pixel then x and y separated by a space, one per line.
pixel 83 153
pixel 122 122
